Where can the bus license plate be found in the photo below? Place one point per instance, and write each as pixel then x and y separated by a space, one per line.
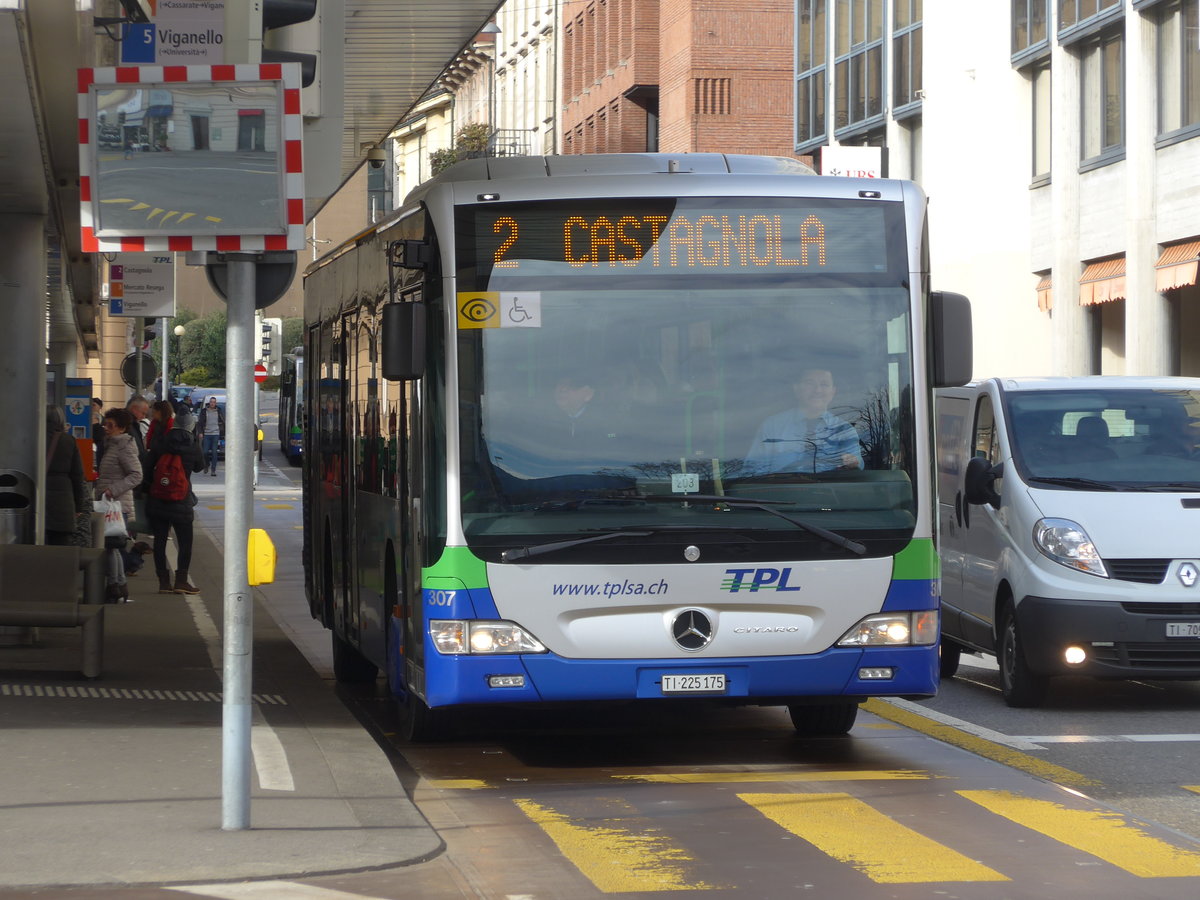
pixel 693 684
pixel 1183 629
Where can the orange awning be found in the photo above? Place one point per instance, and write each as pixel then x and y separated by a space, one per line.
pixel 1045 293
pixel 1102 281
pixel 1176 267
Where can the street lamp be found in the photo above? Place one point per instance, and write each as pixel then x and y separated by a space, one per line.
pixel 180 331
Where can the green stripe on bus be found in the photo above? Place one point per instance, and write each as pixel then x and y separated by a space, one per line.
pixel 460 563
pixel 919 560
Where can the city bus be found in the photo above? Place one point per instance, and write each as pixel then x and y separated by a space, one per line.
pixel 291 405
pixel 480 536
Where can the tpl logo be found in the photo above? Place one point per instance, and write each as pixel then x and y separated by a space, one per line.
pixel 758 580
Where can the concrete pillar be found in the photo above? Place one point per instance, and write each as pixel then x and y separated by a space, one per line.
pixel 1070 328
pixel 23 346
pixel 1148 330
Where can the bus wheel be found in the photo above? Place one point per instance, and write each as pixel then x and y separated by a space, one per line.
pixel 350 666
pixel 1020 686
pixel 949 654
pixel 418 723
pixel 817 719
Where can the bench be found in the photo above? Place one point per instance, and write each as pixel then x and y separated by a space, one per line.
pixel 56 587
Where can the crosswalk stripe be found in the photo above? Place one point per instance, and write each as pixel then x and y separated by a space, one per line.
pixel 775 777
pixel 881 848
pixel 1103 834
pixel 612 855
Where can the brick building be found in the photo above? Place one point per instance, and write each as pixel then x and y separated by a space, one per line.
pixel 677 76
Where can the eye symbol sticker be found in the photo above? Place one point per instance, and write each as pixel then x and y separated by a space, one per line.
pixel 478 310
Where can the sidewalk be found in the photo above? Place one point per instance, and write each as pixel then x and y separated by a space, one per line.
pixel 119 780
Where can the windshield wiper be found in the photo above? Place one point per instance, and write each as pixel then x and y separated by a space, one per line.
pixel 838 540
pixel 633 531
pixel 1066 481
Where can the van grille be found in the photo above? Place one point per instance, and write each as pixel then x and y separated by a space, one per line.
pixel 1161 655
pixel 1143 571
pixel 1162 609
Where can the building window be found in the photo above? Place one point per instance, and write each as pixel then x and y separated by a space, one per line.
pixel 906 54
pixel 810 71
pixel 1102 97
pixel 1029 32
pixel 1077 12
pixel 1043 124
pixel 1178 67
pixel 858 62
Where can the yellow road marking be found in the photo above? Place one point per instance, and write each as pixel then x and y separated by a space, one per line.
pixel 1107 835
pixel 759 777
pixel 279 506
pixel 186 216
pixel 1192 787
pixel 118 200
pixel 155 212
pixel 211 219
pixel 138 206
pixel 614 857
pixel 980 746
pixel 169 216
pixel 458 784
pixel 854 833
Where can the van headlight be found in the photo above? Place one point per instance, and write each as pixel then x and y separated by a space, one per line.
pixel 471 636
pixel 1068 544
pixel 899 629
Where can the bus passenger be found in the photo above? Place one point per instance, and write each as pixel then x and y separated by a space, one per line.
pixel 807 438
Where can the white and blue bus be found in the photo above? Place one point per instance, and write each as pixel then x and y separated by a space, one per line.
pixel 552 451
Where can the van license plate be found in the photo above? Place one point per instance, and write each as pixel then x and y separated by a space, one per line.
pixel 693 684
pixel 1183 629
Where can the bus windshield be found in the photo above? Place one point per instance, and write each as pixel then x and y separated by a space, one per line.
pixel 615 357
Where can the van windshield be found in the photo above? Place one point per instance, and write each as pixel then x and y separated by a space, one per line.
pixel 1119 439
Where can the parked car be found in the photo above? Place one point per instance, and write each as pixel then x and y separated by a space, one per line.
pixel 1068 514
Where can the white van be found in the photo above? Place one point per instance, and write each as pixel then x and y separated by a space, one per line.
pixel 1069 528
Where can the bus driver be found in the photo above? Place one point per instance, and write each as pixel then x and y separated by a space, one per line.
pixel 807 438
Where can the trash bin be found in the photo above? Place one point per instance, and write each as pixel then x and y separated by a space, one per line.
pixel 16 507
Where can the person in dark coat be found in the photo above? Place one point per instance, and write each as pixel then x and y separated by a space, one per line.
pixel 65 488
pixel 179 515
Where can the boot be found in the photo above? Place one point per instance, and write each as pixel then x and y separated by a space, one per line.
pixel 182 585
pixel 164 582
pixel 116 593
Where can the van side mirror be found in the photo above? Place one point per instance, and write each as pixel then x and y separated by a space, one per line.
pixel 403 341
pixel 979 483
pixel 951 358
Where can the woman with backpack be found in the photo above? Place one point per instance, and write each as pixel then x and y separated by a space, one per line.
pixel 170 461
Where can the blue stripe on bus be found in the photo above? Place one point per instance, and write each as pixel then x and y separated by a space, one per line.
pixel 916 593
pixel 464 679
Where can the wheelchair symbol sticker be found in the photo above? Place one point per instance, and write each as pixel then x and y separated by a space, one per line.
pixel 521 309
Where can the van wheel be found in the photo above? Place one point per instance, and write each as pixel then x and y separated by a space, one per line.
pixel 949 654
pixel 821 719
pixel 1020 686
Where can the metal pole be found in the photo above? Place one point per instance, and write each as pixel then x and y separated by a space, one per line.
pixel 166 344
pixel 239 603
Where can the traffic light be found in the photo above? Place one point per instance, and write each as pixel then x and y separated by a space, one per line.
pixel 279 48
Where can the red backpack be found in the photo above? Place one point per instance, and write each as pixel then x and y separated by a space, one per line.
pixel 170 481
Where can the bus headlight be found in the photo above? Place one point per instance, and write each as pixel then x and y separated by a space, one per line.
pixel 470 636
pixel 899 629
pixel 1068 544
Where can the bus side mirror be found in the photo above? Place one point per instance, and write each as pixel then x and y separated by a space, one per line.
pixel 950 339
pixel 403 339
